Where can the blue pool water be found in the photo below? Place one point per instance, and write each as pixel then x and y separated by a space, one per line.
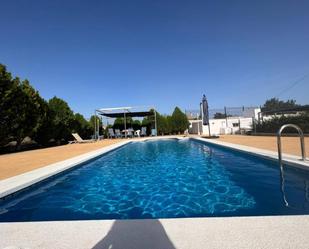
pixel 163 179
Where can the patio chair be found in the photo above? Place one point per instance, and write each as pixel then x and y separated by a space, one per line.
pixel 143 131
pixel 153 132
pixel 111 133
pixel 137 133
pixel 118 133
pixel 79 140
pixel 130 132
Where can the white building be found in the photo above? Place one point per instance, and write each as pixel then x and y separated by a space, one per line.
pixel 229 125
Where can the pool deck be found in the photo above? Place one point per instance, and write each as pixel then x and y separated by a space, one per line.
pixel 233 232
pixel 189 233
pixel 21 162
pixel 290 145
pixel 287 159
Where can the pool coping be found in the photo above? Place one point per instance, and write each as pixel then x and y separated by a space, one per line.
pixel 182 233
pixel 16 183
pixel 287 159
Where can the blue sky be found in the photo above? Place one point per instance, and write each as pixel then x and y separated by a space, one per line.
pixel 164 53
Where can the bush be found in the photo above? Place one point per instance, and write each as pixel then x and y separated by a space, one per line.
pixel 178 121
pixel 274 124
pixel 82 126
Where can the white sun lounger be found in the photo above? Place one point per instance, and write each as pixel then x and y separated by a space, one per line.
pixel 78 139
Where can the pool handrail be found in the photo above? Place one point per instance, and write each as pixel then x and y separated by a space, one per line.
pixel 302 141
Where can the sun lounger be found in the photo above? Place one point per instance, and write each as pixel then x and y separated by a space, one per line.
pixel 78 139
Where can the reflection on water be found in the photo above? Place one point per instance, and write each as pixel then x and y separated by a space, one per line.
pixel 284 194
pixel 282 183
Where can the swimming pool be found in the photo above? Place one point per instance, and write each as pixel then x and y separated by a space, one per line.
pixel 164 179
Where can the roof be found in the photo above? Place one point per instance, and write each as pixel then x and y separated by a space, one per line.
pixel 128 114
pixel 118 112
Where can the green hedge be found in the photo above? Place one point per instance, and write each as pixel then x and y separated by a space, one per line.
pixel 274 124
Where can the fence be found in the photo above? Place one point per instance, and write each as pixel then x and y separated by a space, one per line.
pixel 225 112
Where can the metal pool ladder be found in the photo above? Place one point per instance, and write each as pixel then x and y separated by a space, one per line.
pixel 302 141
pixel 303 154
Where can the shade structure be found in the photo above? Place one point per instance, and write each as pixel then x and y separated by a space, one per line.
pixel 125 112
pixel 205 111
pixel 128 114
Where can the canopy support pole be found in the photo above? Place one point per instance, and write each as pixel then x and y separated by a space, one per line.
pixel 100 125
pixel 155 116
pixel 125 125
pixel 95 124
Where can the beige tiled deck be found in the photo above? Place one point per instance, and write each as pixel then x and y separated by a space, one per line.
pixel 18 163
pixel 190 233
pixel 290 145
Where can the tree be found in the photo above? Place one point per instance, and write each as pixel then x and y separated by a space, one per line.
pixel 7 88
pixel 162 124
pixel 179 121
pixel 20 109
pixel 169 122
pixel 23 113
pixel 81 126
pixel 275 104
pixel 68 122
pixel 136 125
pixel 34 109
pixel 219 115
pixel 44 133
pixel 62 118
pixel 119 123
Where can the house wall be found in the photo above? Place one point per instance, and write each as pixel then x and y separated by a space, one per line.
pixel 231 125
pixel 221 126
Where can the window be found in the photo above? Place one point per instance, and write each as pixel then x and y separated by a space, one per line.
pixel 235 124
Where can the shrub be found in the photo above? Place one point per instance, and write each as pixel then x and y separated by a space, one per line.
pixel 274 124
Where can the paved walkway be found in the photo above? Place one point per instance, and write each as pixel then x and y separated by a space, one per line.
pixel 190 233
pixel 21 162
pixel 290 145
